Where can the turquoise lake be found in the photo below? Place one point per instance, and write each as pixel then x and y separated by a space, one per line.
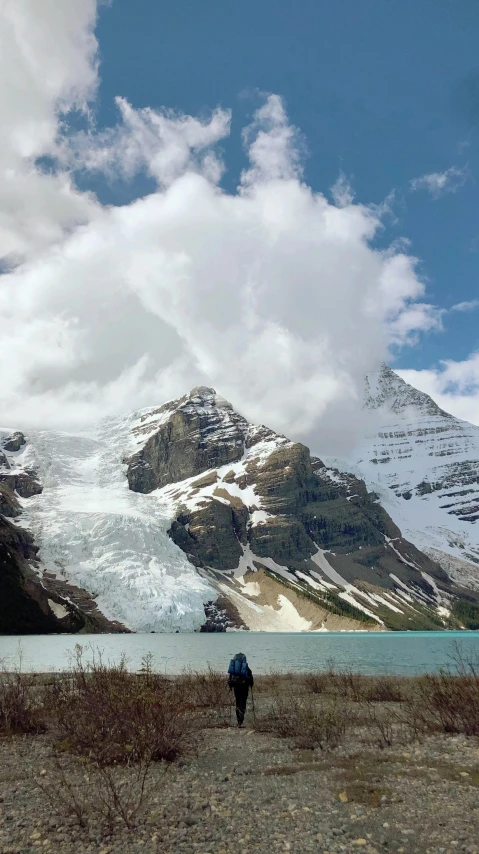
pixel 392 652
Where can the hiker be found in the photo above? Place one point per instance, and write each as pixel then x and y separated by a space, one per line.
pixel 240 679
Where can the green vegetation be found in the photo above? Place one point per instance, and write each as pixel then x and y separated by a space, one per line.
pixel 338 606
pixel 328 600
pixel 416 618
pixel 467 613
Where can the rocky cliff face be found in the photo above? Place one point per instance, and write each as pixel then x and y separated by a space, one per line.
pixel 195 436
pixel 424 465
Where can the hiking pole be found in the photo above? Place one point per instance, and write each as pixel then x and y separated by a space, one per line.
pixel 231 712
pixel 252 700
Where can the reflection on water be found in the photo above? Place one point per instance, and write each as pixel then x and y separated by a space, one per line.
pixel 368 652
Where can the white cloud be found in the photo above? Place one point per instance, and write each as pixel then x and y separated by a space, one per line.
pixel 273 295
pixel 163 143
pixel 453 385
pixel 342 192
pixel 468 305
pixel 273 144
pixel 48 66
pixel 437 183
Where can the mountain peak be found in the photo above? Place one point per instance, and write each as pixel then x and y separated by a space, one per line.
pixel 202 395
pixel 185 438
pixel 384 389
pixel 202 391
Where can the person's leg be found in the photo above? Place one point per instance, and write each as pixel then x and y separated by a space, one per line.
pixel 239 713
pixel 241 696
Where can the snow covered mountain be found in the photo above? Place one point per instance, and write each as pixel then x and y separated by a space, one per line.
pixel 186 517
pixel 424 465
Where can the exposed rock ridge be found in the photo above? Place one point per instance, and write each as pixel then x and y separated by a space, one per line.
pixel 202 431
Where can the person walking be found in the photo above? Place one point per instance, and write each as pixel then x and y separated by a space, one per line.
pixel 240 679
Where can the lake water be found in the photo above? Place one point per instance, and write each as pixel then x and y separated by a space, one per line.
pixel 368 652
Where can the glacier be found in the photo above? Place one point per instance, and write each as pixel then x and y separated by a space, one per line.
pixel 93 531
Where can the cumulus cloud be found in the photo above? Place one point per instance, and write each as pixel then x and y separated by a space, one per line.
pixel 454 385
pixel 273 295
pixel 438 183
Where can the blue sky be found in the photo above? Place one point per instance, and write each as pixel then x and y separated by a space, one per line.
pixel 384 90
pixel 171 215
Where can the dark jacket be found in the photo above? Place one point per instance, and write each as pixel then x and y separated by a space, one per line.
pixel 247 683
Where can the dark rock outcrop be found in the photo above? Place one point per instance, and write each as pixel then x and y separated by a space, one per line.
pixel 285 480
pixel 282 538
pixel 24 484
pixel 220 615
pixel 209 535
pixel 9 504
pixel 14 442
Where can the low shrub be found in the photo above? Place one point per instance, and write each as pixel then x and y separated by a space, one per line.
pixel 207 693
pixel 384 689
pixel 310 725
pixel 205 690
pixel 316 683
pixel 21 709
pixel 349 685
pixel 447 701
pixel 112 716
pixel 91 793
pixel 382 725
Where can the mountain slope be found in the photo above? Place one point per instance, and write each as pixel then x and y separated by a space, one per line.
pixel 186 517
pixel 245 499
pixel 424 465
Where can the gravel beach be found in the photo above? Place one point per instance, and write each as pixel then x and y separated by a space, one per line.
pixel 251 792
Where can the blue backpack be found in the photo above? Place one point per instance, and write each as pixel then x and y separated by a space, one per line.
pixel 238 670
